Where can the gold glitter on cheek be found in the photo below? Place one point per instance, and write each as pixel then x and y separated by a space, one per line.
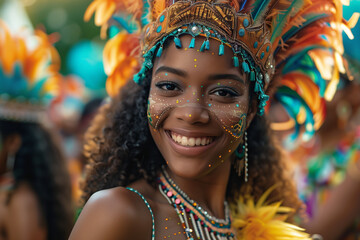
pixel 195 65
pixel 195 60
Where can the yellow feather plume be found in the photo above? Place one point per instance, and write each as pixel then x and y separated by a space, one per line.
pixel 264 222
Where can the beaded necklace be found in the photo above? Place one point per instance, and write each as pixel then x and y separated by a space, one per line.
pixel 205 226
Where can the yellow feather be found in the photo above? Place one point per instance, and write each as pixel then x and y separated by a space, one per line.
pixel 267 222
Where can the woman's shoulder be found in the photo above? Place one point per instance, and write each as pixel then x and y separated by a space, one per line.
pixel 116 213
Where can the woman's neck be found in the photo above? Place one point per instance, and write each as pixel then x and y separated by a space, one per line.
pixel 208 191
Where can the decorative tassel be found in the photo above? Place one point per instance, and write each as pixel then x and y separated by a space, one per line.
pixel 177 42
pixel 236 61
pixel 203 46
pixel 207 44
pixel 192 43
pixel 159 52
pixel 257 87
pixel 252 76
pixel 221 49
pixel 245 67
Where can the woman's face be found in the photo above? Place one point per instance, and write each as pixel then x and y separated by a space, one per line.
pixel 198 107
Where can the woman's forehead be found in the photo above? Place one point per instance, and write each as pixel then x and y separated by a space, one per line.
pixel 192 60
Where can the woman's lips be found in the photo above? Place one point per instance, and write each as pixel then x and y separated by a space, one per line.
pixel 189 146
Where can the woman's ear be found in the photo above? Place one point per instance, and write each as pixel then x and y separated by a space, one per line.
pixel 253 107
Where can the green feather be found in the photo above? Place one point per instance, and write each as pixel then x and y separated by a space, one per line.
pixel 282 19
pixel 259 9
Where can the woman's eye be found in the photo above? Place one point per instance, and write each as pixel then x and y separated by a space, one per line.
pixel 167 86
pixel 226 93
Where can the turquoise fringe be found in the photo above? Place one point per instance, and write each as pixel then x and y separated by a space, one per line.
pixel 207 44
pixel 203 46
pixel 252 76
pixel 221 49
pixel 236 61
pixel 192 43
pixel 245 67
pixel 177 42
pixel 159 52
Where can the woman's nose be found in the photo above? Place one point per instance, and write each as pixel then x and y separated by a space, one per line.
pixel 192 114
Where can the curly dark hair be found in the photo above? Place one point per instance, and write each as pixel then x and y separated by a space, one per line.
pixel 40 163
pixel 121 150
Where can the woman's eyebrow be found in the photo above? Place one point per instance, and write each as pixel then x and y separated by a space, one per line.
pixel 226 76
pixel 178 72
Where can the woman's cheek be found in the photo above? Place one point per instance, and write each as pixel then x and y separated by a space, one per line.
pixel 232 120
pixel 156 111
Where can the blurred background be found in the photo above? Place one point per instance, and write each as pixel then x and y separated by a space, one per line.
pixel 80 49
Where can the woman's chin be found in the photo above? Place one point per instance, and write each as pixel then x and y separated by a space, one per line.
pixel 190 168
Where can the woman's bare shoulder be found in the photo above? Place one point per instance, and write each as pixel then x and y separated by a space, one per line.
pixel 116 213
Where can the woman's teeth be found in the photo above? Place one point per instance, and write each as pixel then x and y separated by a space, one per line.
pixel 191 141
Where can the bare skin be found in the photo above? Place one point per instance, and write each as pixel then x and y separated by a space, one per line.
pixel 20 219
pixel 121 214
pixel 20 214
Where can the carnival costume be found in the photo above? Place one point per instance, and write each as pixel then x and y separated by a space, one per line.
pixel 275 42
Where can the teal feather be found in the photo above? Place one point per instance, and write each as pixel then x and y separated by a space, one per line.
pixel 282 19
pixel 126 23
pixel 310 18
pixel 36 90
pixel 259 9
pixel 145 19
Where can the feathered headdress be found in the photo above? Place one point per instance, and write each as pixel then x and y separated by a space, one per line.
pixel 28 75
pixel 295 45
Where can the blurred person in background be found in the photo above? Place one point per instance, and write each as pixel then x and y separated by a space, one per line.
pixel 35 195
pixel 327 167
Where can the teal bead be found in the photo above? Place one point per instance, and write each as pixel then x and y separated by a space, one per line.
pixel 242 32
pixel 256 44
pixel 246 22
pixel 268 49
pixel 162 18
pixel 262 55
pixel 159 29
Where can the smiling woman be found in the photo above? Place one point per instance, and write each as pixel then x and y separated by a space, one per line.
pixel 186 151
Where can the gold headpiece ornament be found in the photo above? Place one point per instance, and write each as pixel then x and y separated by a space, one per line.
pixel 301 39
